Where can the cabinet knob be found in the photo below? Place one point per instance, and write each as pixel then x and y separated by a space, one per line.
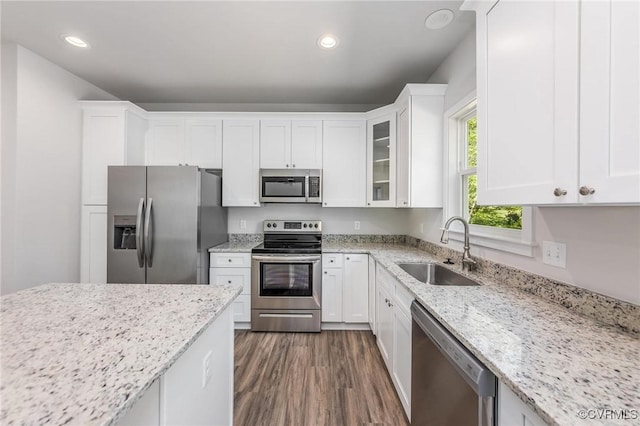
pixel 229 260
pixel 347 258
pixel 405 203
pixel 294 166
pixel 368 204
pixel 325 204
pixel 585 190
pixel 559 192
pixel 255 202
pixel 325 272
pixel 331 261
pixel 287 165
pixel 229 281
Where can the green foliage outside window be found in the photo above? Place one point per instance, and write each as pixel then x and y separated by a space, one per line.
pixel 498 216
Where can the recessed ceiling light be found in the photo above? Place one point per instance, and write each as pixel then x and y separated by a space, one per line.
pixel 327 41
pixel 439 19
pixel 75 41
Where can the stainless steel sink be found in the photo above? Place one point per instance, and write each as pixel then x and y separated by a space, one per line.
pixel 435 274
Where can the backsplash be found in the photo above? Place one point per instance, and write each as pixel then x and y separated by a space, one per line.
pixel 603 308
pixel 245 238
pixel 339 238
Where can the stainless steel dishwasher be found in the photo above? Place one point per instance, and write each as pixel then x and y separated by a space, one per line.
pixel 449 386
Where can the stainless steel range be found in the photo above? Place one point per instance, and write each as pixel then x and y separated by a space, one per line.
pixel 286 281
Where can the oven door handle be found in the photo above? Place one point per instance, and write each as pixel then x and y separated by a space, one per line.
pixel 287 259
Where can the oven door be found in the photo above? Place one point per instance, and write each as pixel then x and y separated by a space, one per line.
pixel 286 281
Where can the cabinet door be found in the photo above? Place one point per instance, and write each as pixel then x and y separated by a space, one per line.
pixel 355 298
pixel 344 156
pixel 203 143
pixel 513 411
pixel 165 142
pixel 275 144
pixel 372 294
pixel 103 144
pixel 93 246
pixel 402 357
pixel 610 101
pixel 527 92
pixel 240 163
pixel 332 295
pixel 306 144
pixel 403 159
pixel 384 327
pixel 237 276
pixel 381 162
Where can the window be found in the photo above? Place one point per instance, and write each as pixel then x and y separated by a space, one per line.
pixel 506 228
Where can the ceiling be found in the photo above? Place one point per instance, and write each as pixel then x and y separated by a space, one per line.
pixel 240 51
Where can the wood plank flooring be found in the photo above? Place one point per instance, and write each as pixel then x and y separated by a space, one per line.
pixel 332 378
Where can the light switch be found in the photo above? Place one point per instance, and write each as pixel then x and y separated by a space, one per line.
pixel 554 254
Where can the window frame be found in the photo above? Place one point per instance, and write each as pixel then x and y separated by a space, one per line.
pixel 503 239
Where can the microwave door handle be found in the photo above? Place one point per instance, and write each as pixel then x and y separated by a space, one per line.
pixel 306 188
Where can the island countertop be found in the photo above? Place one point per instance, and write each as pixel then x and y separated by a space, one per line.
pixel 84 353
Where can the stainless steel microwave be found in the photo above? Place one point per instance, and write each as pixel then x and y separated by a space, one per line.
pixel 290 186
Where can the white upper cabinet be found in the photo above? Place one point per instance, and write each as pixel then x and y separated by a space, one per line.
pixel 420 109
pixel 290 144
pixel 610 101
pixel 344 155
pixel 112 135
pixel 557 102
pixel 240 163
pixel 381 161
pixel 192 141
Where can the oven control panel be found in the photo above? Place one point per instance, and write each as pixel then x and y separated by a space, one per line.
pixel 298 226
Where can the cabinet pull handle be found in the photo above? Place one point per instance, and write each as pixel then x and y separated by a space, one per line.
pixel 559 192
pixel 585 190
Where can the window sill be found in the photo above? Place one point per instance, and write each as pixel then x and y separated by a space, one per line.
pixel 502 243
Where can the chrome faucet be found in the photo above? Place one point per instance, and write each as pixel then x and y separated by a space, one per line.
pixel 467 261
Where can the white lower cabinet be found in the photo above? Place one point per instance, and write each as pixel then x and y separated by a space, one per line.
pixel 93 244
pixel 184 394
pixel 512 411
pixel 372 294
pixel 393 332
pixel 234 268
pixel 345 287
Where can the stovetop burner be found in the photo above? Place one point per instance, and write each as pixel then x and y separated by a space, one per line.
pixel 291 237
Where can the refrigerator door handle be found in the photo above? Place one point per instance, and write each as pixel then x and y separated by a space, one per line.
pixel 139 240
pixel 148 230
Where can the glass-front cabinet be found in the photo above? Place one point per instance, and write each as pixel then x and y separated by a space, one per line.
pixel 381 161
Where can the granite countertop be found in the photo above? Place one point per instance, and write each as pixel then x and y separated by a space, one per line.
pixel 235 247
pixel 557 361
pixel 84 353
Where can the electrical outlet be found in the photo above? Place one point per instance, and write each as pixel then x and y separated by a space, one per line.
pixel 243 224
pixel 206 369
pixel 356 225
pixel 554 254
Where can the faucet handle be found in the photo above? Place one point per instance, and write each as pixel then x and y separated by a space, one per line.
pixel 448 261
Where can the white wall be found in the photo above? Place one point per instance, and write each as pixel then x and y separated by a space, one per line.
pixel 41 165
pixel 335 220
pixel 603 243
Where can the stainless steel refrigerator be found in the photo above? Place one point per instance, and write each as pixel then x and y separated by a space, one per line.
pixel 161 222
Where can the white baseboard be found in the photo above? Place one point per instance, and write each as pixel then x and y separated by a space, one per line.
pixel 345 326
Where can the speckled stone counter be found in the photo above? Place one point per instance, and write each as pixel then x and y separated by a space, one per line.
pixel 234 247
pixel 84 353
pixel 557 361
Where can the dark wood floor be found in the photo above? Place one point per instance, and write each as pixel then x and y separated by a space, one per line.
pixel 332 378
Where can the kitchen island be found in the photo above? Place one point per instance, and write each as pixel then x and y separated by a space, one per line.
pixel 97 353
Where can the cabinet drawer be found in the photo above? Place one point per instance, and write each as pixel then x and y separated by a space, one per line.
pixel 240 276
pixel 332 260
pixel 230 260
pixel 242 308
pixel 404 299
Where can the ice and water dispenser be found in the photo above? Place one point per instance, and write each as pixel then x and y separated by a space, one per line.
pixel 124 232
